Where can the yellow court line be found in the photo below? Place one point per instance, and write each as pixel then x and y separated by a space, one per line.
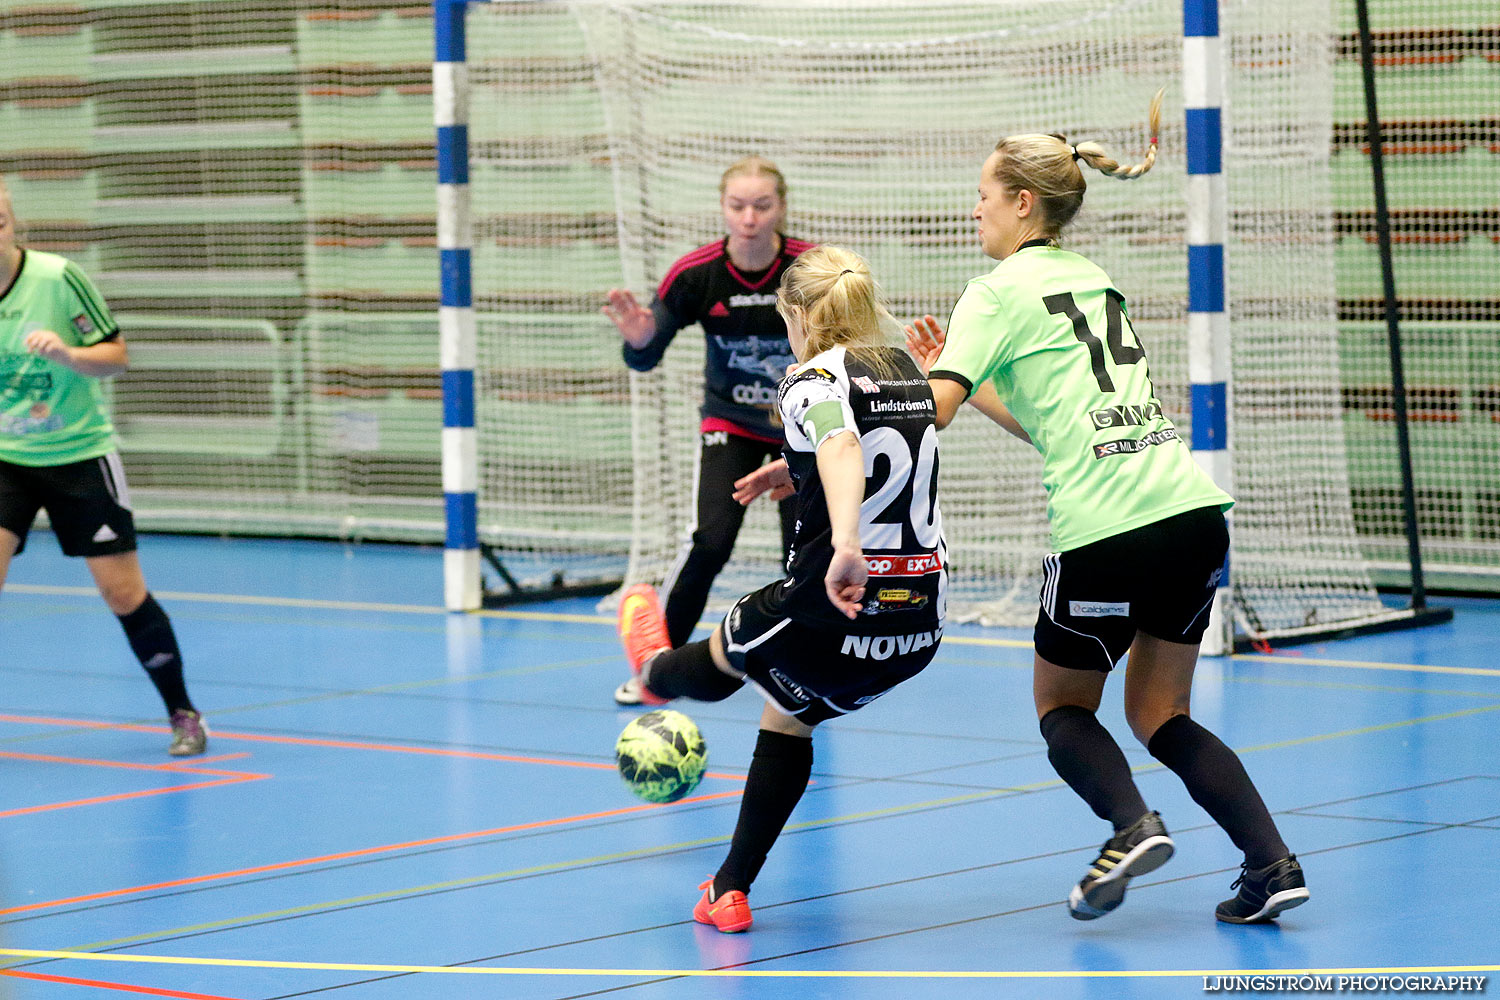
pixel 494 970
pixel 1313 661
pixel 907 808
pixel 553 616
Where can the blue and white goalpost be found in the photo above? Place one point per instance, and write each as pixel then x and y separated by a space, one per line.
pixel 456 324
pixel 1209 365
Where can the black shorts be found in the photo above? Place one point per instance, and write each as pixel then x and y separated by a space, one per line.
pixel 816 672
pixel 1159 579
pixel 87 502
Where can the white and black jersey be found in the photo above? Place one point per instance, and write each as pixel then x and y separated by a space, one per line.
pixel 900 525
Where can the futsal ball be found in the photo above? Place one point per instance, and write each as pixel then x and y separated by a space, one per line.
pixel 661 756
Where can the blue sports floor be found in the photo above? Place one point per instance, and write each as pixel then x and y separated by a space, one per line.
pixel 399 803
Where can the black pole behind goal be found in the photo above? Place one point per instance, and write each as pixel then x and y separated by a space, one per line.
pixel 1392 310
pixel 1417 613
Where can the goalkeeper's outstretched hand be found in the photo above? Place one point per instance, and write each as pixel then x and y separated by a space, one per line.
pixel 633 320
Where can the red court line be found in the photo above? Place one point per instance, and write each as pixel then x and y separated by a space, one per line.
pixel 122 987
pixel 123 796
pixel 591 765
pixel 359 853
pixel 346 745
pixel 84 723
pixel 174 767
pixel 195 761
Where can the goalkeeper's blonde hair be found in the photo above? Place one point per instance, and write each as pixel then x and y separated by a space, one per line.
pixel 1048 167
pixel 841 305
pixel 754 166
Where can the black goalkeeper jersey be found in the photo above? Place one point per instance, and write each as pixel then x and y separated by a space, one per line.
pixel 747 350
pixel 900 525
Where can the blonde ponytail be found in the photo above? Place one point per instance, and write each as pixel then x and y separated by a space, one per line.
pixel 840 304
pixel 1048 167
pixel 1093 154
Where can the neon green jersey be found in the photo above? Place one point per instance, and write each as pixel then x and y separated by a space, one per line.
pixel 50 414
pixel 1048 327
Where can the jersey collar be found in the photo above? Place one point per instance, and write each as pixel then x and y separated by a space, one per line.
pixel 744 277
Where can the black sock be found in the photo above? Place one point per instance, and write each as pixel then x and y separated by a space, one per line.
pixel 154 644
pixel 1217 781
pixel 778 776
pixel 1091 762
pixel 688 672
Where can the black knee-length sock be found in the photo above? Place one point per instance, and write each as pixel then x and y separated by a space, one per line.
pixel 152 640
pixel 1092 763
pixel 778 776
pixel 688 672
pixel 1217 781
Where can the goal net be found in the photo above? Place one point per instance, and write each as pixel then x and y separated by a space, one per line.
pixel 879 115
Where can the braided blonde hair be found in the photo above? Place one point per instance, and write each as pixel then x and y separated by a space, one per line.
pixel 841 304
pixel 1047 166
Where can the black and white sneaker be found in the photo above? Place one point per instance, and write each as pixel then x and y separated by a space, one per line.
pixel 1264 892
pixel 1140 848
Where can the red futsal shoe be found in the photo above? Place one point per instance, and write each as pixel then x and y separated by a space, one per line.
pixel 643 632
pixel 730 913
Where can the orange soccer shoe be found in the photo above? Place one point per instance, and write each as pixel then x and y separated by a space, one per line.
pixel 643 631
pixel 730 913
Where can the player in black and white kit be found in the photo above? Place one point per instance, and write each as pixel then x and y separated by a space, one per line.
pixel 729 288
pixel 861 608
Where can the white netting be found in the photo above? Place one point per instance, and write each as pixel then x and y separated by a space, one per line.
pixel 880 116
pixel 1437 71
pixel 251 184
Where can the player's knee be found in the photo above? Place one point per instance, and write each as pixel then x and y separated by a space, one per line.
pixel 1145 716
pixel 122 596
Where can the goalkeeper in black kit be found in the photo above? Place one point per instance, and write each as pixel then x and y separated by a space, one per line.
pixel 729 288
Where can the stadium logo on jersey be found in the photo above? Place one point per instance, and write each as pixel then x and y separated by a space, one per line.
pixel 1130 446
pixel 753 395
pixel 883 647
pixel 865 383
pixel 752 300
pixel 1127 415
pixel 718 310
pixel 83 324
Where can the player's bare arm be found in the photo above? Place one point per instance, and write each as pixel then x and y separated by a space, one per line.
pixel 108 357
pixel 841 466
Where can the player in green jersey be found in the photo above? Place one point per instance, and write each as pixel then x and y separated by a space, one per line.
pixel 57 451
pixel 1043 345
